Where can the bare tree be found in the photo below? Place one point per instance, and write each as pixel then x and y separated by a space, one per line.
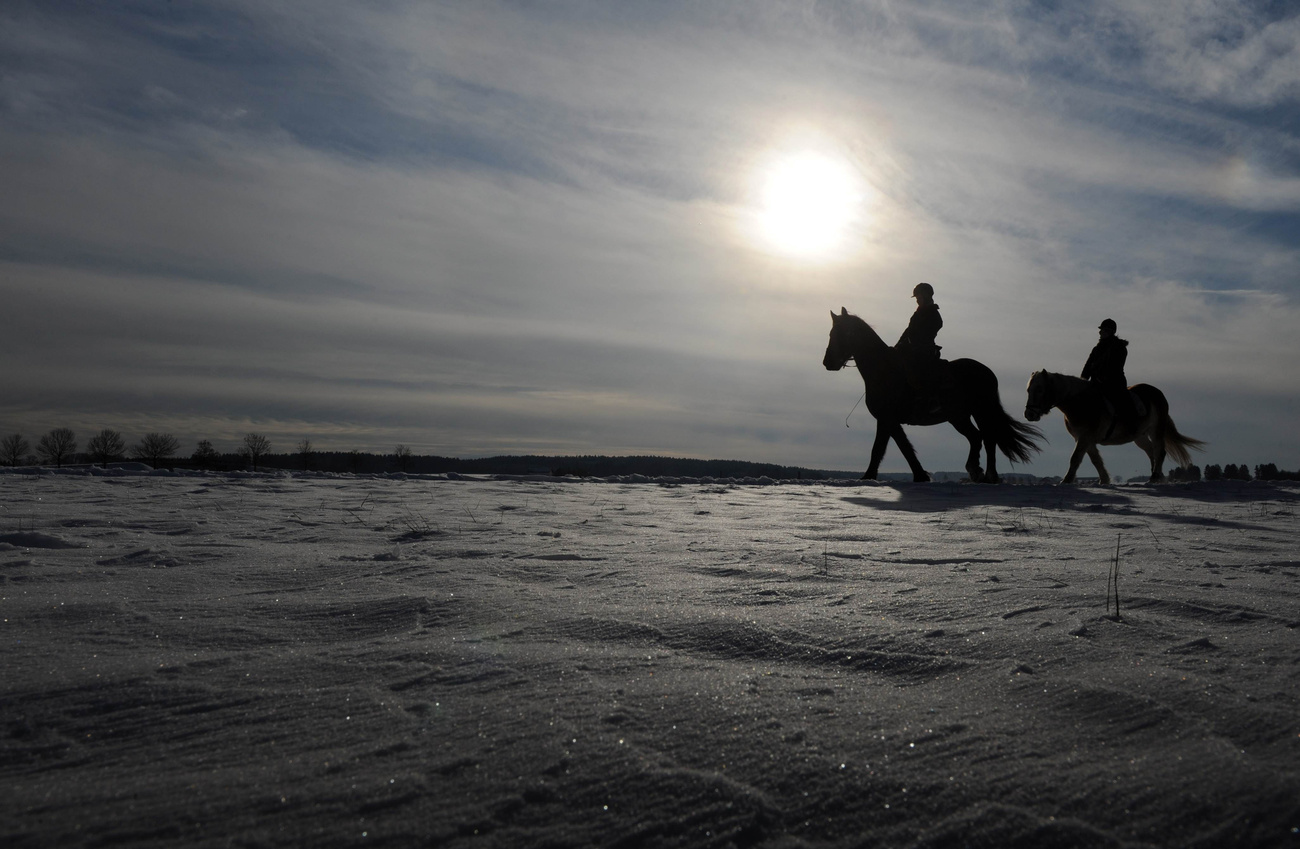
pixel 13 448
pixel 306 453
pixel 57 445
pixel 106 446
pixel 255 448
pixel 155 448
pixel 205 456
pixel 403 456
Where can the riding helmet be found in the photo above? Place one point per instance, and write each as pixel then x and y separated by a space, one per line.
pixel 923 289
pixel 1108 324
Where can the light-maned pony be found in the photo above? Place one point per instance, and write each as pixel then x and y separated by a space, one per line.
pixel 1091 421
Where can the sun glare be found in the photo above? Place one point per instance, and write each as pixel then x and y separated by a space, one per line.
pixel 809 204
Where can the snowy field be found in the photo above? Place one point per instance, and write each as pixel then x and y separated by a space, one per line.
pixel 277 660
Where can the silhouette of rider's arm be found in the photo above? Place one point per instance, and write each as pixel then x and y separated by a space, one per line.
pixel 922 329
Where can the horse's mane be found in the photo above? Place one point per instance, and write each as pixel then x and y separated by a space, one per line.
pixel 860 324
pixel 1071 380
pixel 1068 384
pixel 853 318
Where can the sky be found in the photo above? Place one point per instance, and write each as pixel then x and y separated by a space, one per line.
pixel 576 227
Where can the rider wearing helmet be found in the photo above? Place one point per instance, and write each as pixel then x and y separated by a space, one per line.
pixel 1105 368
pixel 917 341
pixel 920 355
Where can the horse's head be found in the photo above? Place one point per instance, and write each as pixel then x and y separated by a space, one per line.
pixel 838 350
pixel 1039 401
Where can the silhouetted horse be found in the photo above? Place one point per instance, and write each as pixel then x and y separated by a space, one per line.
pixel 1090 419
pixel 972 392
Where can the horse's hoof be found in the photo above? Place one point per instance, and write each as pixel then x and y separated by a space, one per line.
pixel 921 478
pixel 867 476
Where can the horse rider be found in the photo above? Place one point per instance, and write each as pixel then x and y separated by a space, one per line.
pixel 1105 368
pixel 920 354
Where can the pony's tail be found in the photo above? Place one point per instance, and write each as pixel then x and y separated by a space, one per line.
pixel 1017 440
pixel 1176 444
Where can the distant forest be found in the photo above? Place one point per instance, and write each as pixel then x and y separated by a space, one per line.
pixel 1214 472
pixel 584 466
pixel 59 447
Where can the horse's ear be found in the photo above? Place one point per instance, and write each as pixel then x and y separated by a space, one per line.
pixel 843 311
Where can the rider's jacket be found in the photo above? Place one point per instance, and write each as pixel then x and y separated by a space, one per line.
pixel 1106 363
pixel 917 340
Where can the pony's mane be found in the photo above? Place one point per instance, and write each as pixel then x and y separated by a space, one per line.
pixel 1068 383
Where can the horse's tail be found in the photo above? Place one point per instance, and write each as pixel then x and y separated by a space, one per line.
pixel 1017 440
pixel 1176 444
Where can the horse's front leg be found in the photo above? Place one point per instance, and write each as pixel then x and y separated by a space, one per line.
pixel 919 474
pixel 1080 448
pixel 877 451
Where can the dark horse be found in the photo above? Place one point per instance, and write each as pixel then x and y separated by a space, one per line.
pixel 972 392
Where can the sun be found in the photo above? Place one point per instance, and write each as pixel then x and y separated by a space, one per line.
pixel 809 204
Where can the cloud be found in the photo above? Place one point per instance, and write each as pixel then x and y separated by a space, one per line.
pixel 494 227
pixel 1217 51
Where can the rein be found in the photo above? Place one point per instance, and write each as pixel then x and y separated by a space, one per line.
pixel 853 361
pixel 1071 390
pixel 855 407
pixel 1060 389
pixel 1050 395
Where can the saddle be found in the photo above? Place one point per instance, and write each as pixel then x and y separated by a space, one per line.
pixel 929 380
pixel 1139 411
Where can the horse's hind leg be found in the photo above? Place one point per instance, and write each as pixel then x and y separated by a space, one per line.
pixel 1103 476
pixel 991 451
pixel 1155 452
pixel 972 433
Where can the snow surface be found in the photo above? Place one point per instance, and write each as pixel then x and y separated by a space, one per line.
pixel 315 660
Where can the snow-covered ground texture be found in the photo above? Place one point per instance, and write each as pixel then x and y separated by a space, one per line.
pixel 332 661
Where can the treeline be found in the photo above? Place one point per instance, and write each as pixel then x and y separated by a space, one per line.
pixel 1230 472
pixel 60 446
pixel 534 464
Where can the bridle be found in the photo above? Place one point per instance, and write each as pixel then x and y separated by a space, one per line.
pixel 844 343
pixel 1035 406
pixel 849 359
